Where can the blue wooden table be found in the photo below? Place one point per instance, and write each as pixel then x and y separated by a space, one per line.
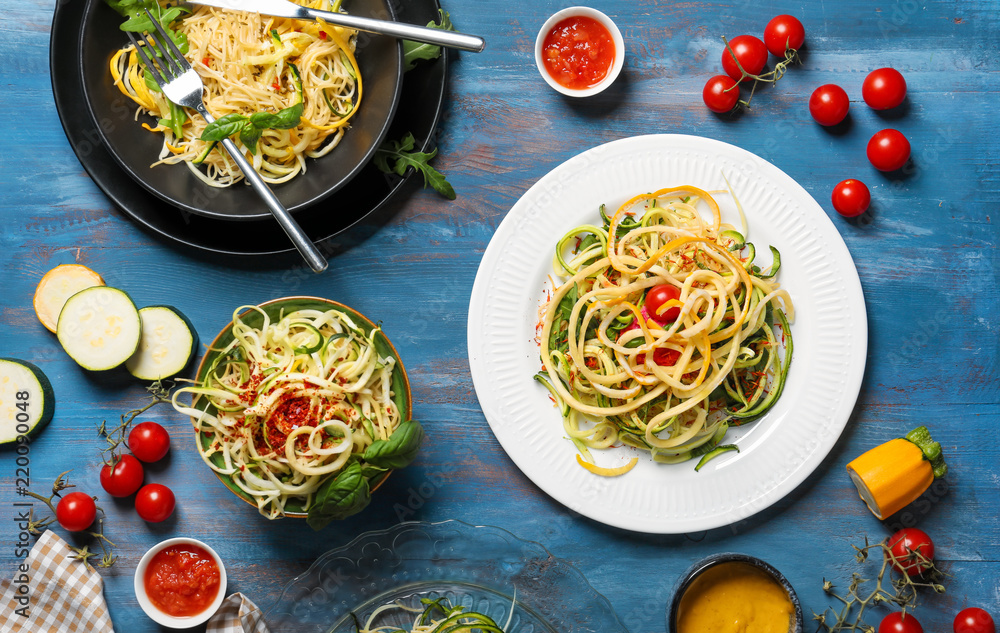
pixel 927 257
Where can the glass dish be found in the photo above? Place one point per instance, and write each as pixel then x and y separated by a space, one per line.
pixel 480 567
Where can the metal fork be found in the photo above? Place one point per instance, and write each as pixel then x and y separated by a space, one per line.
pixel 182 85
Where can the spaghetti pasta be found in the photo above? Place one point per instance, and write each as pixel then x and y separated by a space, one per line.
pixel 662 331
pixel 251 64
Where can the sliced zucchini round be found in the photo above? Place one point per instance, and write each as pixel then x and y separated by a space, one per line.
pixel 58 285
pixel 169 342
pixel 99 328
pixel 26 400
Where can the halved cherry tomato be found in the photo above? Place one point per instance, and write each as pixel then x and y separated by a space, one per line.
pixel 750 52
pixel 884 88
pixel 123 477
pixel 896 622
pixel 720 94
pixel 76 512
pixel 659 295
pixel 665 357
pixel 851 198
pixel 974 620
pixel 829 104
pixel 888 150
pixel 905 545
pixel 784 32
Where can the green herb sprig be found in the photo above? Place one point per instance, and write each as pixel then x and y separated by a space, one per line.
pixel 401 156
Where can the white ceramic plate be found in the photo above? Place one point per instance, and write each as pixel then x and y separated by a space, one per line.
pixel 778 451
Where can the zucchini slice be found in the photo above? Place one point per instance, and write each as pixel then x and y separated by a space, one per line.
pixel 26 400
pixel 168 344
pixel 58 285
pixel 99 328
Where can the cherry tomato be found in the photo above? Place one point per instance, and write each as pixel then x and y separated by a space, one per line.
pixel 884 88
pixel 751 53
pixel 665 357
pixel 896 622
pixel 903 545
pixel 888 150
pixel 659 295
pixel 76 511
pixel 149 441
pixel 851 198
pixel 784 32
pixel 154 503
pixel 974 620
pixel 721 94
pixel 123 478
pixel 829 104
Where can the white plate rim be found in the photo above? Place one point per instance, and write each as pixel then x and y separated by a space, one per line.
pixel 777 454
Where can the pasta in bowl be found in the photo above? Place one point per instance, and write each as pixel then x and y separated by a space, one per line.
pixel 344 116
pixel 301 407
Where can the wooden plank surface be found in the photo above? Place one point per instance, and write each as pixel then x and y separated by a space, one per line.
pixel 927 258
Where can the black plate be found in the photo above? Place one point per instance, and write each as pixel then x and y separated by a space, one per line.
pixel 380 60
pixel 423 93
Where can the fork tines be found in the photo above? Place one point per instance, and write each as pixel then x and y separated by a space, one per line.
pixel 171 61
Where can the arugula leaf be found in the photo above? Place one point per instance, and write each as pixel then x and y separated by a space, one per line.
pixel 403 157
pixel 399 450
pixel 138 21
pixel 414 51
pixel 340 497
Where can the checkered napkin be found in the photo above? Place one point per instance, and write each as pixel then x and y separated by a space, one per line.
pixel 238 614
pixel 53 593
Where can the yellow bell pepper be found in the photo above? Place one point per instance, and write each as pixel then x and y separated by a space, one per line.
pixel 893 475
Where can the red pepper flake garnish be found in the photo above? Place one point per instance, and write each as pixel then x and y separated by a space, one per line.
pixel 322 35
pixel 276 86
pixel 205 60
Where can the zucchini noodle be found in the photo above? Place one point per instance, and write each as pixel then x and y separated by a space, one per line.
pixel 715 353
pixel 437 616
pixel 251 63
pixel 284 406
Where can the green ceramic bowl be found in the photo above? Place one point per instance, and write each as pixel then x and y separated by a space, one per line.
pixel 274 308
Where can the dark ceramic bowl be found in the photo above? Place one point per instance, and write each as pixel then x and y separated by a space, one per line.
pixel 134 149
pixel 717 559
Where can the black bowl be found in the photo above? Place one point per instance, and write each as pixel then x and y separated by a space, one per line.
pixel 380 60
pixel 717 559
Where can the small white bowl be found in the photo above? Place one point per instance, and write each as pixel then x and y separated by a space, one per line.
pixel 165 619
pixel 616 37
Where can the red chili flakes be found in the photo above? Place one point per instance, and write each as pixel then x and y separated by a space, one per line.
pixel 206 61
pixel 322 35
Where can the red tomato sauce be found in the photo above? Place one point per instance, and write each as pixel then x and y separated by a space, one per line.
pixel 578 52
pixel 182 580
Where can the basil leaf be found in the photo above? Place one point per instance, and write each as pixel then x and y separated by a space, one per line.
pixel 249 136
pixel 284 119
pixel 399 450
pixel 340 497
pixel 224 128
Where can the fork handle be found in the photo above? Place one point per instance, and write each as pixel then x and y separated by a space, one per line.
pixel 302 243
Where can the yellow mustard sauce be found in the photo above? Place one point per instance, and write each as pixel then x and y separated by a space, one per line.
pixel 734 598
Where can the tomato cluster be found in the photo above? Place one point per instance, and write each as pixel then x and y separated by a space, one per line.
pixel 745 57
pixel 123 477
pixel 911 552
pixel 970 620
